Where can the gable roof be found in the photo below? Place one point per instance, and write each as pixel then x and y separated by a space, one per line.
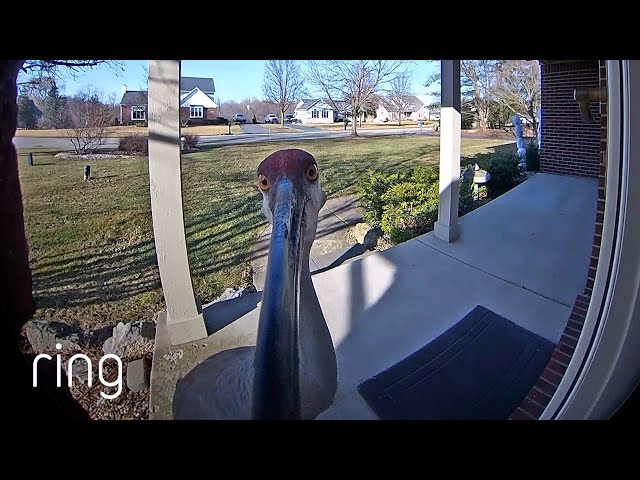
pixel 134 97
pixel 412 104
pixel 308 103
pixel 189 83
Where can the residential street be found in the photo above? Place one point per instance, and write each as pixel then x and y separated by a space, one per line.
pixel 248 137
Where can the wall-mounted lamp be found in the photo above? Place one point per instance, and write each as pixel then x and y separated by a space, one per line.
pixel 584 95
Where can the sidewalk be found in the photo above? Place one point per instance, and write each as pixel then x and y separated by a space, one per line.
pixel 332 245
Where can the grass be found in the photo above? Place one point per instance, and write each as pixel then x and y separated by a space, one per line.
pixel 273 128
pixel 374 126
pixel 126 130
pixel 91 243
pixel 122 131
pixel 211 129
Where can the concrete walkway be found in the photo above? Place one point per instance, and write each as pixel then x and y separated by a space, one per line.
pixel 332 245
pixel 524 255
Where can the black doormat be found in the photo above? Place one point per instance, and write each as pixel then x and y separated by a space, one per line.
pixel 479 369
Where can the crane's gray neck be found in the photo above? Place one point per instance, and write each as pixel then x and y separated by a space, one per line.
pixel 318 365
pixel 295 362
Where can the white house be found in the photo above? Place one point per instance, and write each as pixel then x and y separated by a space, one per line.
pixel 315 111
pixel 413 109
pixel 196 102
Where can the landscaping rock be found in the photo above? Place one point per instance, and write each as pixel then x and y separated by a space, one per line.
pixel 231 293
pixel 130 339
pixel 138 373
pixel 80 370
pixel 43 336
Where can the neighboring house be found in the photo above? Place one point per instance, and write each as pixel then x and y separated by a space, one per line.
pixel 322 111
pixel 196 103
pixel 413 109
pixel 315 111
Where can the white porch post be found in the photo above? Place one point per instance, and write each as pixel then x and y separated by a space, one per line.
pixel 447 228
pixel 185 323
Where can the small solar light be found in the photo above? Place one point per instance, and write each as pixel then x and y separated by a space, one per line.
pixel 30 159
pixel 87 172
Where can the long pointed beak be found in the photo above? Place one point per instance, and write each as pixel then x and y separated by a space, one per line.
pixel 276 386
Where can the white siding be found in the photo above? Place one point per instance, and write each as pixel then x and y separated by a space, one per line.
pixel 197 98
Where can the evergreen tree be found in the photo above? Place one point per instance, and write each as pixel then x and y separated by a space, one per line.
pixel 27 112
pixel 54 113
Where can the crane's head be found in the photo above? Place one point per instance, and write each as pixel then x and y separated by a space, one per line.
pixel 294 174
pixel 292 197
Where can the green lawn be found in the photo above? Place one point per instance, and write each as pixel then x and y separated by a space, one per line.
pixel 91 243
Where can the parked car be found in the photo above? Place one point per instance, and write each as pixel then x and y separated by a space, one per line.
pixel 288 118
pixel 239 118
pixel 271 118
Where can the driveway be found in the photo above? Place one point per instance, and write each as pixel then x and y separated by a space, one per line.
pixel 304 128
pixel 250 128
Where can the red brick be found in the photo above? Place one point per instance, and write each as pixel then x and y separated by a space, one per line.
pixel 574 325
pixel 539 396
pixel 560 357
pixel 557 367
pixel 568 340
pixel 546 387
pixel 564 348
pixel 550 376
pixel 576 317
pixel 571 332
pixel 532 408
pixel 520 414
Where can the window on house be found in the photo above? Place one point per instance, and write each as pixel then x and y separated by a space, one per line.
pixel 138 113
pixel 325 113
pixel 314 114
pixel 196 112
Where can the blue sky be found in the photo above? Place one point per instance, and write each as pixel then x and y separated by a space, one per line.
pixel 234 79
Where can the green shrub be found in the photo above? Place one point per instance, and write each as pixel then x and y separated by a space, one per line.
pixel 371 189
pixel 410 209
pixel 532 157
pixel 405 204
pixel 503 167
pixel 466 202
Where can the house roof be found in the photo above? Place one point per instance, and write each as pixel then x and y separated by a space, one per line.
pixel 412 103
pixel 134 97
pixel 189 83
pixel 308 103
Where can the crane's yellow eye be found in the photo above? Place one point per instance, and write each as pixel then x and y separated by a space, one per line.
pixel 312 172
pixel 263 183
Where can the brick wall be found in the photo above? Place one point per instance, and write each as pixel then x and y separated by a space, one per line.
pixel 540 394
pixel 569 146
pixel 126 113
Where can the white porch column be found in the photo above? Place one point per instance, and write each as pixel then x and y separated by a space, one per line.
pixel 447 228
pixel 185 322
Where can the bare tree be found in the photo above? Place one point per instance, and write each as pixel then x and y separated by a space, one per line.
pixel 283 84
pixel 476 86
pixel 478 76
pixel 89 118
pixel 145 77
pixel 399 94
pixel 354 82
pixel 517 87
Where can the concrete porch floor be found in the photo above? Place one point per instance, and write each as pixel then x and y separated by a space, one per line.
pixel 524 255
